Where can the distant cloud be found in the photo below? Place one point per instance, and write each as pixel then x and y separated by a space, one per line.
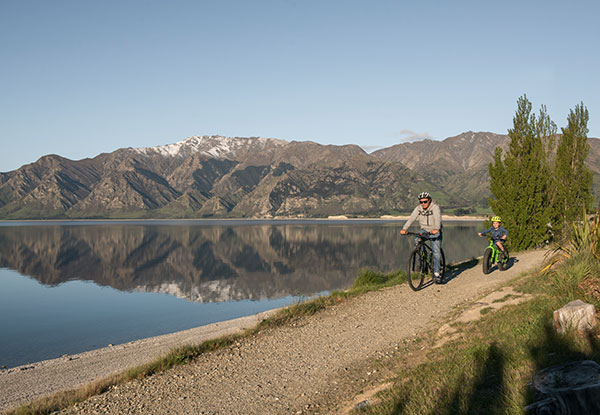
pixel 402 136
pixel 409 135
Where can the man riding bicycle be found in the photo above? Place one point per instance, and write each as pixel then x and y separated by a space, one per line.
pixel 430 220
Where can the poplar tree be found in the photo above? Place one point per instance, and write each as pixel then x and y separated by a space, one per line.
pixel 520 180
pixel 572 179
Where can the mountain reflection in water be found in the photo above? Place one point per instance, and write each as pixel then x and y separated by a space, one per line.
pixel 218 262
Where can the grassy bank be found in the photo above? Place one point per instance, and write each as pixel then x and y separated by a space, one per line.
pixel 487 369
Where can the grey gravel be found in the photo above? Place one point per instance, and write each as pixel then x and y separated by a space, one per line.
pixel 25 383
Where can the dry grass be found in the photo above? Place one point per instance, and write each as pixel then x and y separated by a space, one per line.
pixel 61 400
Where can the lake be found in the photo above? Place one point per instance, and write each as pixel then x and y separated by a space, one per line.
pixel 69 287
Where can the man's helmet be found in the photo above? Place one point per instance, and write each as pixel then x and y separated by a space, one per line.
pixel 424 195
pixel 496 219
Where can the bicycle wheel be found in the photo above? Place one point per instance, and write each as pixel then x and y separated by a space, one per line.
pixel 416 272
pixel 487 260
pixel 503 264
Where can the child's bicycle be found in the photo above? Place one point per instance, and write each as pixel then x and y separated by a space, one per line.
pixel 493 255
pixel 420 262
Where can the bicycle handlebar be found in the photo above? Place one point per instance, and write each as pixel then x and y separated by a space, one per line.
pixel 488 236
pixel 418 233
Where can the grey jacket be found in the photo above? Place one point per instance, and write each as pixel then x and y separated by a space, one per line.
pixel 429 219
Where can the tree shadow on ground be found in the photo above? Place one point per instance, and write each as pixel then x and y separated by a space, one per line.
pixel 485 391
pixel 453 271
pixel 477 394
pixel 557 349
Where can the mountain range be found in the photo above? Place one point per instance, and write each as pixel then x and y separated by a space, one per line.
pixel 215 176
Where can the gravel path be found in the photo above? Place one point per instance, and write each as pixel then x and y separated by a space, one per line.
pixel 308 367
pixel 28 382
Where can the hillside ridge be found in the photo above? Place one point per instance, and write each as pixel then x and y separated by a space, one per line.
pixel 253 177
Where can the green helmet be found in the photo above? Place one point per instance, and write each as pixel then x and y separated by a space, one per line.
pixel 496 219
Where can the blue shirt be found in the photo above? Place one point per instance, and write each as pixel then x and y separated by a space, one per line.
pixel 496 234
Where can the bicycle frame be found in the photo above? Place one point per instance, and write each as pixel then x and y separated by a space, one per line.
pixel 423 246
pixel 420 262
pixel 495 251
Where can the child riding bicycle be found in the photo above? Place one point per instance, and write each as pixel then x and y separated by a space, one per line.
pixel 497 233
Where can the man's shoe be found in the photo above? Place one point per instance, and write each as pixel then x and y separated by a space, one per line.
pixel 437 278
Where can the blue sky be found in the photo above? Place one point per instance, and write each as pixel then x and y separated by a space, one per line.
pixel 80 77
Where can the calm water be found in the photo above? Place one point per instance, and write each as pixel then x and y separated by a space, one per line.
pixel 68 287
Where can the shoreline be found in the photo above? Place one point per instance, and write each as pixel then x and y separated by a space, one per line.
pixel 317 364
pixel 33 380
pixel 25 383
pixel 341 218
pixel 358 330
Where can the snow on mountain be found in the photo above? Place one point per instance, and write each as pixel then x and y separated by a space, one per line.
pixel 213 146
pixel 208 292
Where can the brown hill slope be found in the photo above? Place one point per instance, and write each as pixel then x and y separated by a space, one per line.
pixel 459 165
pixel 205 176
pixel 256 177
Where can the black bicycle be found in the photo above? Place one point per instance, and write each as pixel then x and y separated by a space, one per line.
pixel 420 262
